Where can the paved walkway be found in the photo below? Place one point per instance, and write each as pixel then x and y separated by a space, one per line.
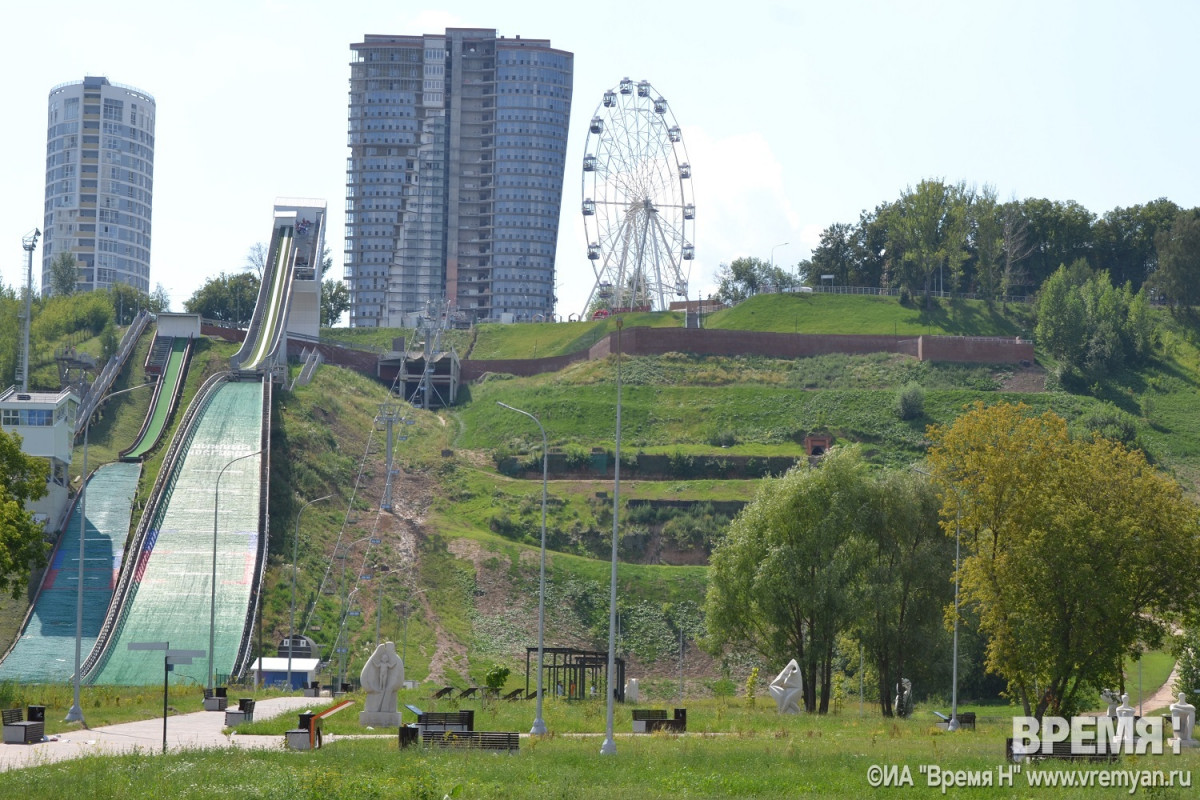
pixel 202 729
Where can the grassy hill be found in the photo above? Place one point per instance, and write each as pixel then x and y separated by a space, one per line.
pixel 454 569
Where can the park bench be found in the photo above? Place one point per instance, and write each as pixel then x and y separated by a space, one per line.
pixel 445 691
pixel 215 699
pixel 965 720
pixel 468 692
pixel 243 713
pixel 509 741
pixel 18 730
pixel 649 720
pixel 515 694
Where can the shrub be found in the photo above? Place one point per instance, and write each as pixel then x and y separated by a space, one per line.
pixel 910 401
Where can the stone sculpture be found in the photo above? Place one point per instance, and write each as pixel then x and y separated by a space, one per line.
pixel 1111 698
pixel 902 706
pixel 1183 721
pixel 631 690
pixel 382 676
pixel 788 689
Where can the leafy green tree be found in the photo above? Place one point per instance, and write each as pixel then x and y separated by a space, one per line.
pixel 1124 240
pixel 1078 552
pixel 1061 316
pixel 1057 233
pixel 905 585
pixel 126 302
pixel 927 232
pixel 1177 279
pixel 226 298
pixel 835 256
pixel 21 546
pixel 335 301
pixel 743 278
pixel 781 581
pixel 64 273
pixel 986 224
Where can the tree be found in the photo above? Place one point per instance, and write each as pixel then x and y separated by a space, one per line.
pixel 160 299
pixel 781 581
pixel 335 301
pixel 987 237
pixel 21 545
pixel 64 273
pixel 226 298
pixel 835 255
pixel 744 278
pixel 1177 279
pixel 905 585
pixel 927 232
pixel 256 259
pixel 1077 551
pixel 1123 240
pixel 1058 233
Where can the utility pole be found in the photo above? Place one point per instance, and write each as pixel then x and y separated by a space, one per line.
pixel 29 244
pixel 389 415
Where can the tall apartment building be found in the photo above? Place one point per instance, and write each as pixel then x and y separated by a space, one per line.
pixel 99 183
pixel 454 181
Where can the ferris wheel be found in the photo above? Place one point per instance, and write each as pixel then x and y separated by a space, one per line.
pixel 638 208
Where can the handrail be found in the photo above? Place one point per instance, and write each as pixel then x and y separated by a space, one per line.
pixel 114 616
pixel 104 380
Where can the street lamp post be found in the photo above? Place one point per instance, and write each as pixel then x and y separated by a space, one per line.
pixel 292 616
pixel 76 712
pixel 952 725
pixel 212 610
pixel 539 725
pixel 781 244
pixel 609 746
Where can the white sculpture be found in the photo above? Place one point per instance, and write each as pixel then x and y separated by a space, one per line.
pixel 1183 721
pixel 382 676
pixel 631 690
pixel 788 689
pixel 1111 698
pixel 1126 710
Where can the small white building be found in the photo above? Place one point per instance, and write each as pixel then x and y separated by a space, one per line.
pixel 272 671
pixel 45 421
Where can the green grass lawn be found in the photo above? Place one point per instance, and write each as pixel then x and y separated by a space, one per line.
pixel 730 750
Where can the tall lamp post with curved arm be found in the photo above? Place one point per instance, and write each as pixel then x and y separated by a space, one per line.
pixel 212 609
pixel 292 616
pixel 76 712
pixel 539 725
pixel 952 725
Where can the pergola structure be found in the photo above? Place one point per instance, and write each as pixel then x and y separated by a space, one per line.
pixel 570 673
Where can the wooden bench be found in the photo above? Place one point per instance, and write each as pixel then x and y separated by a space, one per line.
pixel 649 720
pixel 965 720
pixel 19 731
pixel 446 721
pixel 1061 750
pixel 508 741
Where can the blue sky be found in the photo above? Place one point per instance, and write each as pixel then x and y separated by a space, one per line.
pixel 795 114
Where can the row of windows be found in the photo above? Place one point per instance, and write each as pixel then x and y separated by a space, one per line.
pixel 31 417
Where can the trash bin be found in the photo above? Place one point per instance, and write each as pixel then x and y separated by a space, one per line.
pixel 346 688
pixel 220 690
pixel 36 714
pixel 246 705
pixel 408 735
pixel 306 720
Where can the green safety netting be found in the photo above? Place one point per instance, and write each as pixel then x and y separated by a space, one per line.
pixel 164 399
pixel 170 598
pixel 45 653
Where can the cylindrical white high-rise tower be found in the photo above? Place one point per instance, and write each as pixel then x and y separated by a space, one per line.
pixel 99 183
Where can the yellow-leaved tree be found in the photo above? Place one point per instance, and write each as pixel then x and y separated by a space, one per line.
pixel 1078 553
